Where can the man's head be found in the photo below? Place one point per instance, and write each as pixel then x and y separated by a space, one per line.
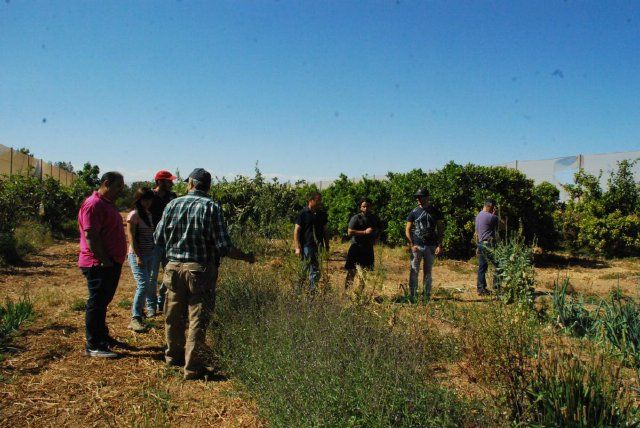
pixel 489 205
pixel 164 180
pixel 199 179
pixel 111 184
pixel 422 196
pixel 314 201
pixel 364 205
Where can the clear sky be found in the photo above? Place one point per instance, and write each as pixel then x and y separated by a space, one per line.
pixel 314 88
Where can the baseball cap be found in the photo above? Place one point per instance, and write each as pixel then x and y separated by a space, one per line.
pixel 164 175
pixel 201 175
pixel 421 192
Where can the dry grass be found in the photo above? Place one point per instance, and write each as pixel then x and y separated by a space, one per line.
pixel 46 380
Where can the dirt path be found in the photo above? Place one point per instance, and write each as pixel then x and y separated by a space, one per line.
pixel 47 381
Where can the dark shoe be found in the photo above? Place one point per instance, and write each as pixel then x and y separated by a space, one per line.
pixel 100 353
pixel 484 292
pixel 174 363
pixel 194 376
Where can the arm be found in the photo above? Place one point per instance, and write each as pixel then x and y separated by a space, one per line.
pixel 95 244
pixel 131 234
pixel 296 240
pixel 407 234
pixel 223 242
pixel 352 232
pixel 440 233
pixel 325 236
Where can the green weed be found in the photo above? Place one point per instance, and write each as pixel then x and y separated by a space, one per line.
pixel 13 315
pixel 309 361
pixel 78 305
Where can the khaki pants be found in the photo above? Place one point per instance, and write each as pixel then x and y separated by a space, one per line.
pixel 190 296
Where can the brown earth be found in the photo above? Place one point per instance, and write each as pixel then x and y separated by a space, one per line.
pixel 46 380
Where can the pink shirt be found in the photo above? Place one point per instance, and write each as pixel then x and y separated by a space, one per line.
pixel 99 213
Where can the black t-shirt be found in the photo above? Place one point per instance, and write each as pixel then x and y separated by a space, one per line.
pixel 311 227
pixel 424 222
pixel 362 222
pixel 158 203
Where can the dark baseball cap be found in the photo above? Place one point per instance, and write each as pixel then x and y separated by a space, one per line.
pixel 200 174
pixel 421 192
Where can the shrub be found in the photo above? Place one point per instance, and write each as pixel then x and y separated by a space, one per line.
pixel 311 362
pixel 515 271
pixel 500 343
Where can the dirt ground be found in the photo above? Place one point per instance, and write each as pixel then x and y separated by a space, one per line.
pixel 45 379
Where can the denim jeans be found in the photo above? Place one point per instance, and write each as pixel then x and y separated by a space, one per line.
pixel 142 275
pixel 484 257
pixel 428 254
pixel 311 265
pixel 101 283
pixel 155 297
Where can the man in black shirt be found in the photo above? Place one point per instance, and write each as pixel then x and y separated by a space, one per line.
pixel 424 232
pixel 309 233
pixel 363 229
pixel 162 195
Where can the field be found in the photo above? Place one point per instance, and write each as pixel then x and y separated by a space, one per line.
pixel 45 379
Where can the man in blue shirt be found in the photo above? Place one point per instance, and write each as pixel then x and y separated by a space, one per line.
pixel 486 228
pixel 424 231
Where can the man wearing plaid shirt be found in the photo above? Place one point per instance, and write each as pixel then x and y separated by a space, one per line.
pixel 193 232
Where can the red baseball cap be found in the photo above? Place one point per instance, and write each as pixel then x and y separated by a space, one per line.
pixel 164 175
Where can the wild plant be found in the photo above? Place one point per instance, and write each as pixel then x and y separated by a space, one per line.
pixel 515 271
pixel 570 314
pixel 565 391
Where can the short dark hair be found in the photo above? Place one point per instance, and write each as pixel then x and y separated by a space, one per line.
pixel 361 200
pixel 108 178
pixel 313 195
pixel 489 203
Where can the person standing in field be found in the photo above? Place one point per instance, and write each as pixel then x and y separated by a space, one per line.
pixel 424 231
pixel 194 235
pixel 103 249
pixel 141 247
pixel 486 229
pixel 363 229
pixel 162 195
pixel 309 234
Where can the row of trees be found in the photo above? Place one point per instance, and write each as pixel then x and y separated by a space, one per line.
pixel 593 221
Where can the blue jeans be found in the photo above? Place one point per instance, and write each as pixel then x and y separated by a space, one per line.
pixel 484 257
pixel 311 265
pixel 142 275
pixel 428 253
pixel 101 283
pixel 155 298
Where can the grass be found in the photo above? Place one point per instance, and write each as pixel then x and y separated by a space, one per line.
pixel 78 304
pixel 125 303
pixel 13 315
pixel 313 362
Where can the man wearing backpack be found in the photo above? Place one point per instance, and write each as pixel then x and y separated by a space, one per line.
pixel 424 232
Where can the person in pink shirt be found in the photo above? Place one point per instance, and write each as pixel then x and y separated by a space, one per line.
pixel 103 249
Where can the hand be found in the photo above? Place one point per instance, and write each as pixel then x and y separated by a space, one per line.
pixel 368 231
pixel 477 252
pixel 414 248
pixel 139 261
pixel 438 250
pixel 297 250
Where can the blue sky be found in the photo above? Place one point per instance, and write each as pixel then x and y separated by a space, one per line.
pixel 310 89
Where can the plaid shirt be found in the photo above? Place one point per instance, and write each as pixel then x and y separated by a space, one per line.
pixel 192 229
